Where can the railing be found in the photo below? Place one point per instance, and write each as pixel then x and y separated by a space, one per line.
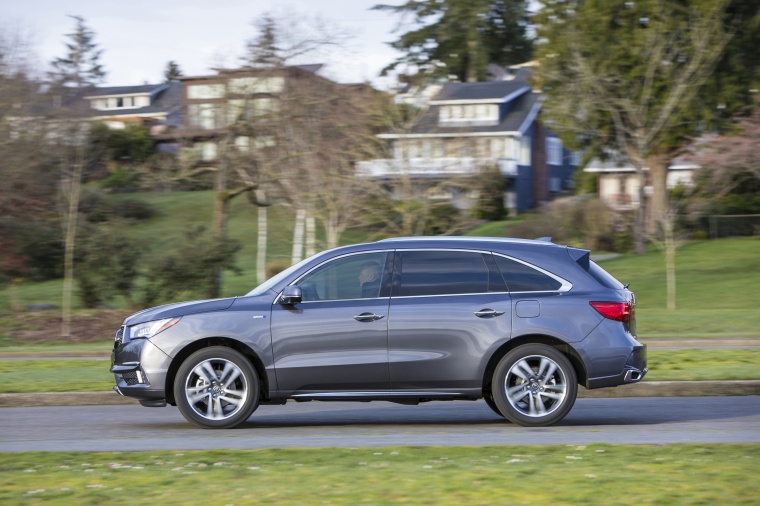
pixel 433 167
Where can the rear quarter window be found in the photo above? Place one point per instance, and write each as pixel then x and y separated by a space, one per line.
pixel 523 278
pixel 603 277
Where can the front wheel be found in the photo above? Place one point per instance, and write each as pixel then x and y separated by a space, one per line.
pixel 216 388
pixel 534 385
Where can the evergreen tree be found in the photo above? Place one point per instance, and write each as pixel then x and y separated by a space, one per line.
pixel 263 50
pixel 81 66
pixel 462 37
pixel 172 72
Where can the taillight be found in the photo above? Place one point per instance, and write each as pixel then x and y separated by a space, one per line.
pixel 618 311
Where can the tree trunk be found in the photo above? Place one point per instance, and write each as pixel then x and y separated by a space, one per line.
pixel 261 249
pixel 73 190
pixel 332 230
pixel 640 225
pixel 311 236
pixel 670 260
pixel 298 233
pixel 658 204
pixel 220 226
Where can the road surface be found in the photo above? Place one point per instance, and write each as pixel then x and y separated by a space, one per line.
pixel 320 424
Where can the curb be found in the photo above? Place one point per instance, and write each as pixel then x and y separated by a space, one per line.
pixel 644 389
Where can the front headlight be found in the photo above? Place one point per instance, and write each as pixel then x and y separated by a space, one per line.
pixel 149 329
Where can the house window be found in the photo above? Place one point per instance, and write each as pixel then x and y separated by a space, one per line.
pixel 251 85
pixel 525 145
pixel 205 91
pixel 207 151
pixel 576 157
pixel 553 151
pixel 204 116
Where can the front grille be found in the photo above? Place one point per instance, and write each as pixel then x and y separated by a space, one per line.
pixel 130 378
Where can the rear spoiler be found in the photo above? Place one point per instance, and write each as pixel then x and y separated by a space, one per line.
pixel 581 256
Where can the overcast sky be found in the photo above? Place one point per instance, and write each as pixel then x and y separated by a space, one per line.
pixel 139 37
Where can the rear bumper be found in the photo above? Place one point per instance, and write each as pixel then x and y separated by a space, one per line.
pixel 634 371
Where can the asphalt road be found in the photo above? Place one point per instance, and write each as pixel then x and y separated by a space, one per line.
pixel 622 420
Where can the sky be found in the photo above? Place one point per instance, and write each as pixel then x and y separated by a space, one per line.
pixel 139 37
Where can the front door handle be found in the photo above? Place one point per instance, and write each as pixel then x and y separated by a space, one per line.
pixel 368 317
pixel 488 313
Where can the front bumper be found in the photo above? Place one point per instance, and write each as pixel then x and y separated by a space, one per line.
pixel 139 369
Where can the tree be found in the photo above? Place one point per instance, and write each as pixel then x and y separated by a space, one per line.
pixel 728 181
pixel 30 245
pixel 625 79
pixel 172 72
pixel 81 66
pixel 461 37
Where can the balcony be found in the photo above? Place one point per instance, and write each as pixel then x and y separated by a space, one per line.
pixel 433 167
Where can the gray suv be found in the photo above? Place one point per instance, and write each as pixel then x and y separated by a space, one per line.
pixel 518 323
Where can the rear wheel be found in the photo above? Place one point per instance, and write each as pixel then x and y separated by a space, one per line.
pixel 216 388
pixel 534 385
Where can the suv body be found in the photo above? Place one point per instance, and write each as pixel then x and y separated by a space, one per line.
pixel 519 323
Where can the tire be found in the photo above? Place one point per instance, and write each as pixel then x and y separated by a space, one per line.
pixel 491 404
pixel 534 385
pixel 216 388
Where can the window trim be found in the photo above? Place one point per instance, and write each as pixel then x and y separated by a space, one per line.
pixel 565 284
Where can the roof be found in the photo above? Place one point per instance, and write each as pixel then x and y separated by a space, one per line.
pixel 521 112
pixel 494 92
pixel 105 91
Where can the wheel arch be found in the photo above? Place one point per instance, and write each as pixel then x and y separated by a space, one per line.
pixel 200 344
pixel 561 346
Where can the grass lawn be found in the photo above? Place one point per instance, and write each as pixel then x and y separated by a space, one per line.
pixel 520 475
pixel 91 375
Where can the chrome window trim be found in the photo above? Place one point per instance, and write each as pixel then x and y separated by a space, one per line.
pixel 565 284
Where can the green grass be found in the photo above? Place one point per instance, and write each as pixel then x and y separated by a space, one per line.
pixel 77 375
pixel 91 375
pixel 519 475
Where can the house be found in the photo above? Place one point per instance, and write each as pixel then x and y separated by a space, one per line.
pixel 467 128
pixel 156 106
pixel 618 183
pixel 220 108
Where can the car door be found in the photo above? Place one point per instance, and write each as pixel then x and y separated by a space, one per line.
pixel 336 339
pixel 448 309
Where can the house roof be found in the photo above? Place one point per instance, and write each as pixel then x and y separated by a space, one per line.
pixel 521 112
pixel 495 92
pixel 106 91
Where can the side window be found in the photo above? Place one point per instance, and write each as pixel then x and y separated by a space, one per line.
pixel 522 278
pixel 350 277
pixel 442 273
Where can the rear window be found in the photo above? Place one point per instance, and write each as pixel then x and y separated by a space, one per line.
pixel 603 277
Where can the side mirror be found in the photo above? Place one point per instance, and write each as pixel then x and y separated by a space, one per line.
pixel 291 295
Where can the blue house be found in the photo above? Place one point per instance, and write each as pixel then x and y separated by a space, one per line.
pixel 468 128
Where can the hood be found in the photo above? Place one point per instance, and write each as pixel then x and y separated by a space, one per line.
pixel 179 309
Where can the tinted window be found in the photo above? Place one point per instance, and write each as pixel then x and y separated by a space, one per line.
pixel 349 277
pixel 522 278
pixel 605 278
pixel 442 273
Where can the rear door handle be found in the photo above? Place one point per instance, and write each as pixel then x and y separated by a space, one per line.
pixel 368 317
pixel 488 313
